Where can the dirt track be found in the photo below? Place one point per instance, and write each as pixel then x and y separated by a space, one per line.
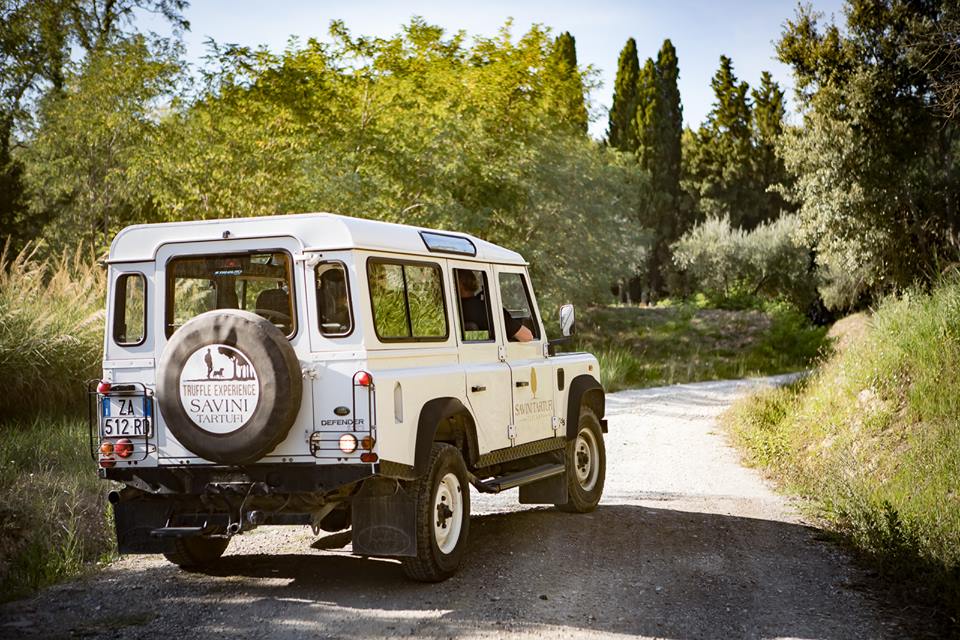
pixel 686 543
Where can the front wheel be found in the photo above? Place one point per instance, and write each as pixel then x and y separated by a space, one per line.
pixel 586 465
pixel 443 516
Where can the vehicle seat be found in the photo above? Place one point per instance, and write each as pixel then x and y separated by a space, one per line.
pixel 277 302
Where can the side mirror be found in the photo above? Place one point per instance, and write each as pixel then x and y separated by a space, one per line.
pixel 567 320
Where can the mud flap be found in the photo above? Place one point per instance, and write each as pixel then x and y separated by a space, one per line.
pixel 548 491
pixel 134 520
pixel 384 520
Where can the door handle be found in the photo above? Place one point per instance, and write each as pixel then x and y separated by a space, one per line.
pixel 523 383
pixel 477 388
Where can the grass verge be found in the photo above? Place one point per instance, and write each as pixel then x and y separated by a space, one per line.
pixel 53 513
pixel 873 441
pixel 645 347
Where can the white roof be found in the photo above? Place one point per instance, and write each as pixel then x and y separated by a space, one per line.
pixel 314 231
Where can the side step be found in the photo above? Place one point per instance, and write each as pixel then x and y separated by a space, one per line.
pixel 512 480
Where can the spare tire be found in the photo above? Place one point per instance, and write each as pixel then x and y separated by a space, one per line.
pixel 229 386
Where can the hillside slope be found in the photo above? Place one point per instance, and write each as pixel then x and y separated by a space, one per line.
pixel 872 439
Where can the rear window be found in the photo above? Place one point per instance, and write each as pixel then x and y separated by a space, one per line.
pixel 258 282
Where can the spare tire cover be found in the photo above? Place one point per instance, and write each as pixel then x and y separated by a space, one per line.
pixel 229 386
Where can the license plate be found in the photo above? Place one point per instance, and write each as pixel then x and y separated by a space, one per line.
pixel 125 416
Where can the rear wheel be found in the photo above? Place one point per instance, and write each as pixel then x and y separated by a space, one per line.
pixel 443 516
pixel 197 552
pixel 586 462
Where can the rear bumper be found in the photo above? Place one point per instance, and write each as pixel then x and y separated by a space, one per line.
pixel 277 478
pixel 220 500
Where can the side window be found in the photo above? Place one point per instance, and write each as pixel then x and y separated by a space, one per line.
pixel 476 323
pixel 333 299
pixel 130 310
pixel 517 307
pixel 407 300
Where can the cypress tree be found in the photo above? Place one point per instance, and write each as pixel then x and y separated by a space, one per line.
pixel 768 114
pixel 670 121
pixel 722 170
pixel 647 112
pixel 659 126
pixel 567 102
pixel 621 131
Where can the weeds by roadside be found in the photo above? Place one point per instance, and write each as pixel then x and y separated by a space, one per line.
pixel 873 441
pixel 51 329
pixel 53 515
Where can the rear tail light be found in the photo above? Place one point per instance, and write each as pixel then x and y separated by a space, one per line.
pixel 367 442
pixel 106 448
pixel 123 448
pixel 368 457
pixel 103 388
pixel 363 379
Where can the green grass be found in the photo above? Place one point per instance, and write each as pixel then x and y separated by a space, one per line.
pixel 51 330
pixel 668 344
pixel 873 439
pixel 53 515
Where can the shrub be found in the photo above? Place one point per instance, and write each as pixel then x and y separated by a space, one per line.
pixel 734 267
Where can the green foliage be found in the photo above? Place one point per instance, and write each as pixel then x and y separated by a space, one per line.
pixel 51 329
pixel 686 342
pixel 52 505
pixel 658 129
pixel 38 39
pixel 621 132
pixel 871 439
pixel 875 160
pixel 419 129
pixel 728 167
pixel 732 266
pixel 93 141
pixel 565 98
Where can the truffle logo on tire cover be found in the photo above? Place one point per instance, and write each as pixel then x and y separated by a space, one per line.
pixel 219 388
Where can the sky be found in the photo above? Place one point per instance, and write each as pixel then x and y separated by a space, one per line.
pixel 700 30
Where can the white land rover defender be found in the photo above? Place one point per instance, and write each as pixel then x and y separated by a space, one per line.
pixel 335 372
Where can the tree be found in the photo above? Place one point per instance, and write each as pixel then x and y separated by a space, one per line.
pixel 37 39
pixel 876 161
pixel 659 126
pixel 565 84
pixel 84 163
pixel 621 131
pixel 419 128
pixel 769 172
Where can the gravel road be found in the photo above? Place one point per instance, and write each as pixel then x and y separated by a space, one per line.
pixel 685 544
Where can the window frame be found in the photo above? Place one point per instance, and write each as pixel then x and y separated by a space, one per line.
pixel 538 334
pixel 169 278
pixel 346 281
pixel 117 292
pixel 490 322
pixel 402 263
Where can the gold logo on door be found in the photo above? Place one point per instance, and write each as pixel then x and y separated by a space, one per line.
pixel 533 382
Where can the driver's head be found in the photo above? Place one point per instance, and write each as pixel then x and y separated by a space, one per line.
pixel 467 283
